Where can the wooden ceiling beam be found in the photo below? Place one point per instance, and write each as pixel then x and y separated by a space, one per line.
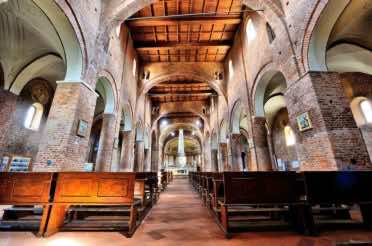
pixel 145 46
pixel 169 21
pixel 193 94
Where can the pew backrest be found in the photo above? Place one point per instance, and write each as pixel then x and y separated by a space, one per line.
pixel 95 188
pixel 338 186
pixel 242 188
pixel 25 188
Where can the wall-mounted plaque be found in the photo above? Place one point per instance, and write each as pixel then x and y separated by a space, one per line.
pixel 20 164
pixel 304 122
pixel 82 128
pixel 4 162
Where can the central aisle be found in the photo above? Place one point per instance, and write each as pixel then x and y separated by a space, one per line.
pixel 179 218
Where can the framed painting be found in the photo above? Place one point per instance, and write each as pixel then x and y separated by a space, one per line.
pixel 82 128
pixel 304 122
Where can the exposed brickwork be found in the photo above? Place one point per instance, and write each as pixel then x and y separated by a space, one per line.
pixel 8 102
pixel 60 144
pixel 260 144
pixel 334 142
pixel 106 143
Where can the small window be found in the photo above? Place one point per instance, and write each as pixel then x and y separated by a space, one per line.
pixel 231 69
pixel 366 108
pixel 290 138
pixel 134 67
pixel 270 33
pixel 33 116
pixel 251 31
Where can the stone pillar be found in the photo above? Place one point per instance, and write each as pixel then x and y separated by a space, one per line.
pixel 61 149
pixel 224 157
pixel 140 150
pixel 154 158
pixel 236 159
pixel 214 160
pixel 126 159
pixel 334 142
pixel 261 148
pixel 106 143
pixel 207 156
pixel 8 103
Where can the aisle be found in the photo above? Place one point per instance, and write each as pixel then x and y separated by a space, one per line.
pixel 179 219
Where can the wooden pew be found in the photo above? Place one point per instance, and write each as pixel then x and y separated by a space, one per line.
pixel 98 190
pixel 146 188
pixel 334 192
pixel 214 190
pixel 27 189
pixel 253 193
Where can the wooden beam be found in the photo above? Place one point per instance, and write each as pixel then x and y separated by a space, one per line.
pixel 145 46
pixel 206 94
pixel 168 21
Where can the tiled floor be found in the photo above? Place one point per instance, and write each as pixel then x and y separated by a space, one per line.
pixel 179 219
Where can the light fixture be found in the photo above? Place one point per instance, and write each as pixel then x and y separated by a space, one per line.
pixel 164 123
pixel 3 1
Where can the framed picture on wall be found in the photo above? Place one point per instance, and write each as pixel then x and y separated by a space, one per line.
pixel 4 162
pixel 82 128
pixel 304 122
pixel 20 164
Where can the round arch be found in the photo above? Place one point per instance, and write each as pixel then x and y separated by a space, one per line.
pixel 38 68
pixel 104 87
pixel 189 74
pixel 318 32
pixel 267 76
pixel 67 27
pixel 235 117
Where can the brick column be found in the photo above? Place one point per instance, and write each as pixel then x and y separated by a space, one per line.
pixel 236 159
pixel 139 156
pixel 8 103
pixel 261 148
pixel 127 152
pixel 106 143
pixel 61 149
pixel 334 142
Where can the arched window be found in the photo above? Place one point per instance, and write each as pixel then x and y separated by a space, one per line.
pixel 231 69
pixel 251 31
pixel 134 67
pixel 289 135
pixel 33 116
pixel 366 108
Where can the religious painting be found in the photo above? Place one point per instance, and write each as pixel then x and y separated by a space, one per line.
pixel 304 122
pixel 4 162
pixel 82 128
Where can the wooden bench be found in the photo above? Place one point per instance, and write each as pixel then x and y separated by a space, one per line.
pixel 334 192
pixel 253 193
pixel 26 190
pixel 146 188
pixel 104 192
